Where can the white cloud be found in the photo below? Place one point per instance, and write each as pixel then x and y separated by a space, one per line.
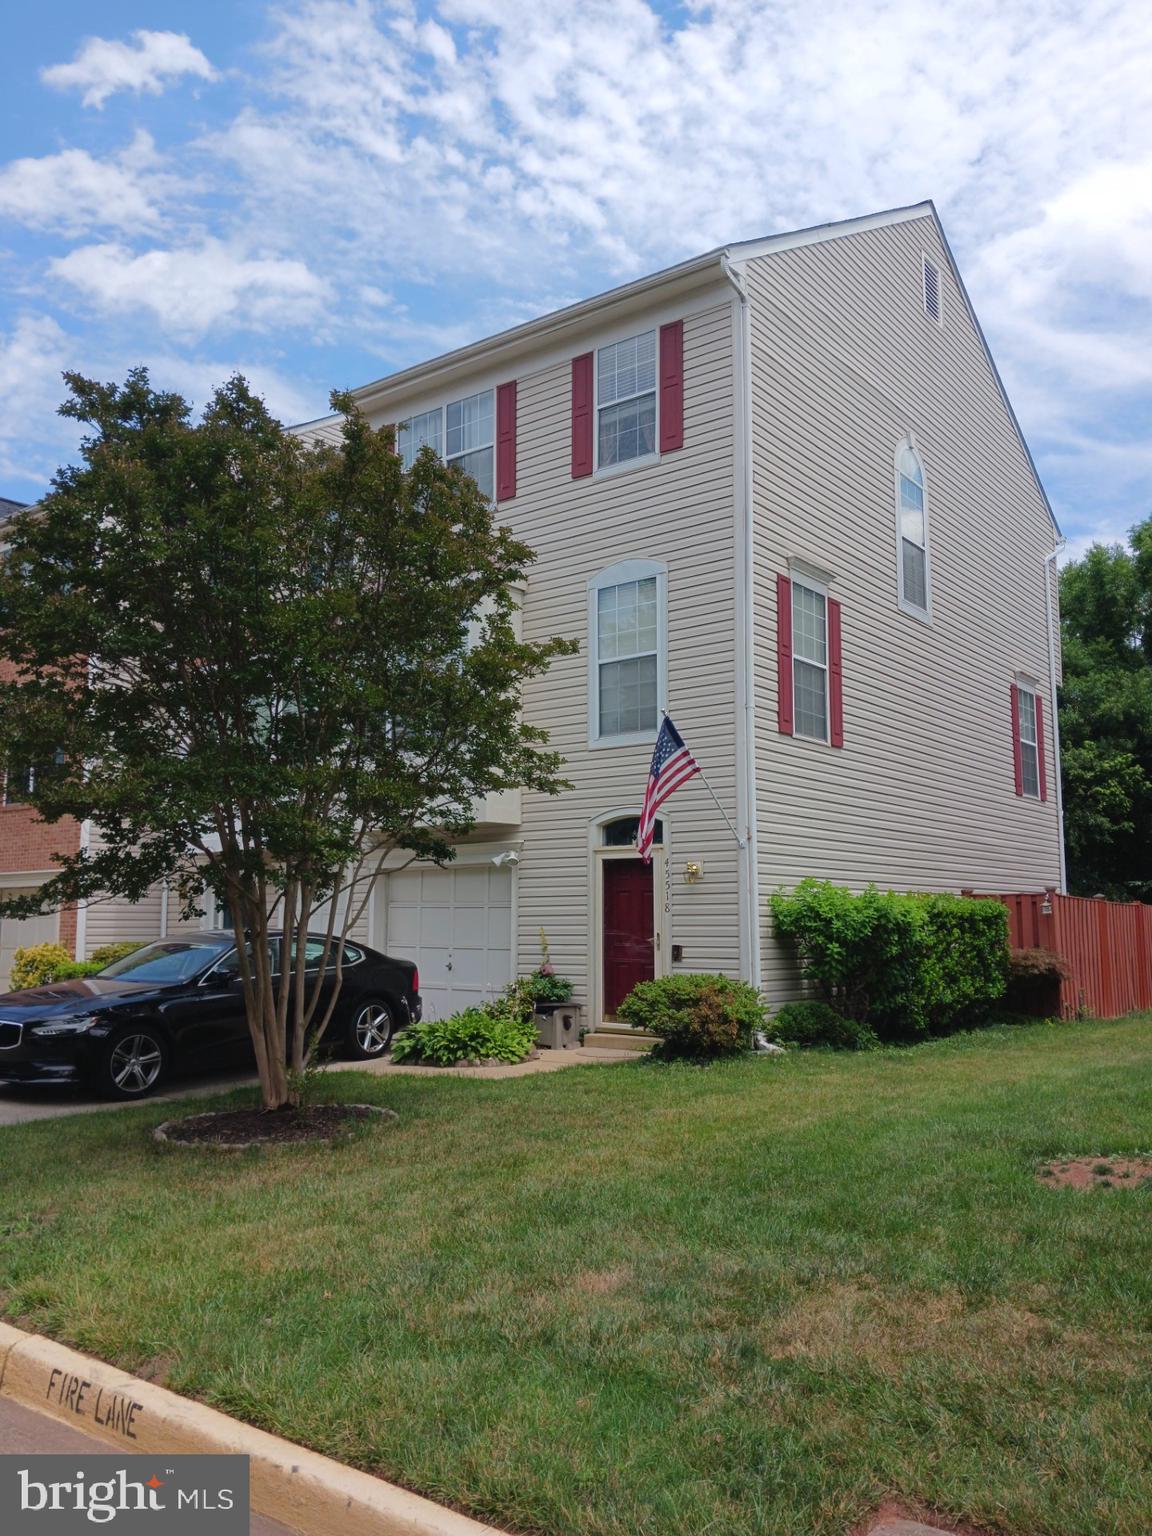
pixel 149 63
pixel 467 162
pixel 74 191
pixel 192 290
pixel 289 400
pixel 33 354
pixel 35 439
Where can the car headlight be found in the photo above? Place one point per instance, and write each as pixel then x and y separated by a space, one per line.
pixel 75 1026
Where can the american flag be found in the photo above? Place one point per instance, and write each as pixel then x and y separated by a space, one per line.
pixel 672 765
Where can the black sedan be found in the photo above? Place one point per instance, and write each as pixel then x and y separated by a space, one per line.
pixel 179 1004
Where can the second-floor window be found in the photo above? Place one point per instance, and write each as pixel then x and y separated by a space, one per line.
pixel 1029 742
pixel 626 400
pixel 626 652
pixel 21 778
pixel 810 661
pixel 912 528
pixel 19 783
pixel 463 433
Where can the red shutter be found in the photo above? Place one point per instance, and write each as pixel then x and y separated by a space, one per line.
pixel 1017 764
pixel 506 441
pixel 784 655
pixel 1040 764
pixel 835 677
pixel 582 415
pixel 671 386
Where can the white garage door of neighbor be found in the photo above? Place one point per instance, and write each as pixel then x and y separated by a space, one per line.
pixel 16 932
pixel 456 924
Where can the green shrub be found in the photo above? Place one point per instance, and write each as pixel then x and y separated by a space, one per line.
pixel 696 1016
pixel 906 965
pixel 496 1032
pixel 74 969
pixel 816 1023
pixel 37 964
pixel 108 954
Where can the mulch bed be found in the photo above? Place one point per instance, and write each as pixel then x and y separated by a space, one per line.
pixel 234 1129
pixel 1096 1172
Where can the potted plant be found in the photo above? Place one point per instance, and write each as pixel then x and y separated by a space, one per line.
pixel 549 991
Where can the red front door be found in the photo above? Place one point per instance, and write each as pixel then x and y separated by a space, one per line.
pixel 629 946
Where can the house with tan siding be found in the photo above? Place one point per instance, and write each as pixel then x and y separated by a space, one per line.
pixel 779 492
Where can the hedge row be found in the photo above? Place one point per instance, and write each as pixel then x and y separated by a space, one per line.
pixel 906 966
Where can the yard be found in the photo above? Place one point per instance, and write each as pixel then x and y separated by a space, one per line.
pixel 752 1299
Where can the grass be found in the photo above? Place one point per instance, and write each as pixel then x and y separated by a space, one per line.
pixel 651 1301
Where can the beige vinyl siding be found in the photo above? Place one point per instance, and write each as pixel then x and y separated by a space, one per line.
pixel 679 511
pixel 845 364
pixel 114 920
pixel 176 924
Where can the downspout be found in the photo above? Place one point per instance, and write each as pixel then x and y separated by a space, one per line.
pixel 1049 560
pixel 81 945
pixel 745 646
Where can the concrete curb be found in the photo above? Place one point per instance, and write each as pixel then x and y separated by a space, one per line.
pixel 311 1493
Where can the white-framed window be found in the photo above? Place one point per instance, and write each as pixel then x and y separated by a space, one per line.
pixel 21 777
pixel 626 652
pixel 626 400
pixel 463 432
pixel 1029 741
pixel 933 300
pixel 914 581
pixel 19 783
pixel 809 660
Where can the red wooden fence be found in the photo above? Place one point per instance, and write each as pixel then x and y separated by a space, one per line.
pixel 1107 946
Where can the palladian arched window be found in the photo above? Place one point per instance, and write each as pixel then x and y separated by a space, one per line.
pixel 912 531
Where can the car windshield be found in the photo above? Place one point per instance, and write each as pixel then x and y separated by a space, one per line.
pixel 171 960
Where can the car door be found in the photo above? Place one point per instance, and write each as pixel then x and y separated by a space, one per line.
pixel 209 1022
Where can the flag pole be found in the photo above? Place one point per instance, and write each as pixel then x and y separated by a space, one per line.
pixel 740 841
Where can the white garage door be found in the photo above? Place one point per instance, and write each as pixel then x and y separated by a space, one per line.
pixel 16 932
pixel 456 924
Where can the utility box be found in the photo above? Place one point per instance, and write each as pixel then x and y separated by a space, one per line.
pixel 559 1025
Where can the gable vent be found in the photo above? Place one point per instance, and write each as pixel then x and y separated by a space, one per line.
pixel 932 290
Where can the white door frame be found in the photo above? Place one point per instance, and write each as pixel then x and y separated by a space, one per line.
pixel 661 903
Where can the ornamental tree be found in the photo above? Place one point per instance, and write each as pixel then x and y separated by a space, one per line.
pixel 259 666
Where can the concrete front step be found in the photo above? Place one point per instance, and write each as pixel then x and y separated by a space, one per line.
pixel 618 1037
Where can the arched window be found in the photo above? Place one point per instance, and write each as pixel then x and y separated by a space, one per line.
pixel 626 652
pixel 621 833
pixel 912 531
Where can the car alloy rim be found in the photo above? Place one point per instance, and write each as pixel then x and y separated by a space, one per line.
pixel 373 1028
pixel 136 1063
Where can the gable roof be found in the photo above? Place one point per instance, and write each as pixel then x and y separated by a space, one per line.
pixel 683 276
pixel 8 508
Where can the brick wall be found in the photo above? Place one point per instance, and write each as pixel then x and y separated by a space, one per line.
pixel 27 843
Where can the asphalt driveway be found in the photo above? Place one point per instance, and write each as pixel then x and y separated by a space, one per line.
pixel 18 1105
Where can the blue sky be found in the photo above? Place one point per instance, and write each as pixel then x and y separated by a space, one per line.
pixel 320 191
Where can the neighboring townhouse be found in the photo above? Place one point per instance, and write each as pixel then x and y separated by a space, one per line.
pixel 27 846
pixel 780 492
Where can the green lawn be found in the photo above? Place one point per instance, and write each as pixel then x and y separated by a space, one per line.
pixel 651 1301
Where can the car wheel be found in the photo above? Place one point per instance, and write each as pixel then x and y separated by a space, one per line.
pixel 370 1030
pixel 134 1063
